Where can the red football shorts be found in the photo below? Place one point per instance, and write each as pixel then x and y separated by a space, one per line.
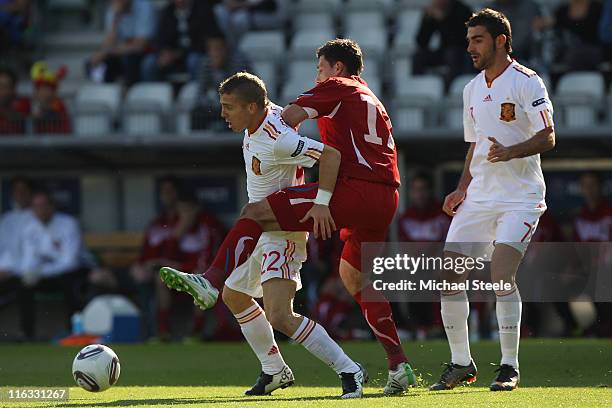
pixel 362 210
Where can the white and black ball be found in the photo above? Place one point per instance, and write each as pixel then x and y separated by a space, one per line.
pixel 96 368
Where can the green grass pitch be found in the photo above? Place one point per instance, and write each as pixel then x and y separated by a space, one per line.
pixel 554 373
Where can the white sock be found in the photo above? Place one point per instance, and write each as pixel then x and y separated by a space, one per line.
pixel 258 333
pixel 509 308
pixel 316 340
pixel 455 310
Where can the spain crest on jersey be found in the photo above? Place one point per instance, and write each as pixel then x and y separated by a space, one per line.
pixel 256 166
pixel 507 112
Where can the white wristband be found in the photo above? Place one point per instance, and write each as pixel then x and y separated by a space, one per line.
pixel 323 197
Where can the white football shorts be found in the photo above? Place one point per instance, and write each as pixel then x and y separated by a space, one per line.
pixel 478 226
pixel 277 255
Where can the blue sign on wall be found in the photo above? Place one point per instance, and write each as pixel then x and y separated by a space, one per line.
pixel 217 194
pixel 66 192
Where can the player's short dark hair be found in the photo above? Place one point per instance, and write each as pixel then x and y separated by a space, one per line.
pixel 344 50
pixel 9 73
pixel 248 87
pixel 496 24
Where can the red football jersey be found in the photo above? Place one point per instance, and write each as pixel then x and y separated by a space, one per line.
pixel 353 120
pixel 594 226
pixel 424 225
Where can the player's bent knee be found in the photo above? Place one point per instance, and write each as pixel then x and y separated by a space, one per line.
pixel 260 211
pixel 234 300
pixel 279 320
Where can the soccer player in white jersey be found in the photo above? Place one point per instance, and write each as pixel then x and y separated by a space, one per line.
pixel 500 196
pixel 274 156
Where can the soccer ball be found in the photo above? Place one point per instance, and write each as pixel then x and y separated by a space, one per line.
pixel 96 368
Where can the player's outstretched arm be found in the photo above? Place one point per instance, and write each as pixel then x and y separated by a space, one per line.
pixel 452 200
pixel 329 163
pixel 293 115
pixel 541 142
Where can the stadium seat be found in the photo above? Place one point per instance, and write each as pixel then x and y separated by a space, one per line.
pixel 371 67
pixel 305 43
pixel 580 96
pixel 401 69
pixel 423 86
pixel 146 106
pixel 417 99
pixel 96 107
pixel 313 21
pixel 363 20
pixel 453 116
pixel 386 6
pixel 267 71
pixel 294 87
pixel 373 41
pixel 375 85
pixel 263 45
pixel 79 41
pixel 408 23
pixel 326 6
pixel 186 101
pixel 402 4
pixel 302 69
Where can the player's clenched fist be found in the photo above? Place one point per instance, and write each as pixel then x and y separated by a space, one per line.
pixel 452 201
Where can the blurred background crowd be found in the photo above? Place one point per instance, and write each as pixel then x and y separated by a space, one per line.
pixel 114 159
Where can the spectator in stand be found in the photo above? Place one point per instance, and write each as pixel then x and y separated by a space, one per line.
pixel 422 221
pixel 49 113
pixel 525 16
pixel 548 231
pixel 576 24
pixel 130 28
pixel 184 26
pixel 447 18
pixel 329 302
pixel 14 109
pixel 14 19
pixel 12 223
pixel 594 224
pixel 605 30
pixel 159 230
pixel 53 259
pixel 11 226
pixel 236 17
pixel 190 247
pixel 220 63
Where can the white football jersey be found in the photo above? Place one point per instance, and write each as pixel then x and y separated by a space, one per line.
pixel 274 157
pixel 512 109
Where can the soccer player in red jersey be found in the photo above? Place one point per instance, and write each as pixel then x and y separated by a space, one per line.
pixel 360 197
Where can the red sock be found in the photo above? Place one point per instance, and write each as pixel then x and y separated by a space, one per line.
pixel 236 248
pixel 163 322
pixel 377 312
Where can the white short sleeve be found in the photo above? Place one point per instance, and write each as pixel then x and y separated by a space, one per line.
pixel 291 148
pixel 469 133
pixel 537 104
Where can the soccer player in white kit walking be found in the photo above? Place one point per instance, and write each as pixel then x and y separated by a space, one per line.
pixel 274 156
pixel 507 120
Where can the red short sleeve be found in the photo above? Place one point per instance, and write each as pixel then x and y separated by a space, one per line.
pixel 321 100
